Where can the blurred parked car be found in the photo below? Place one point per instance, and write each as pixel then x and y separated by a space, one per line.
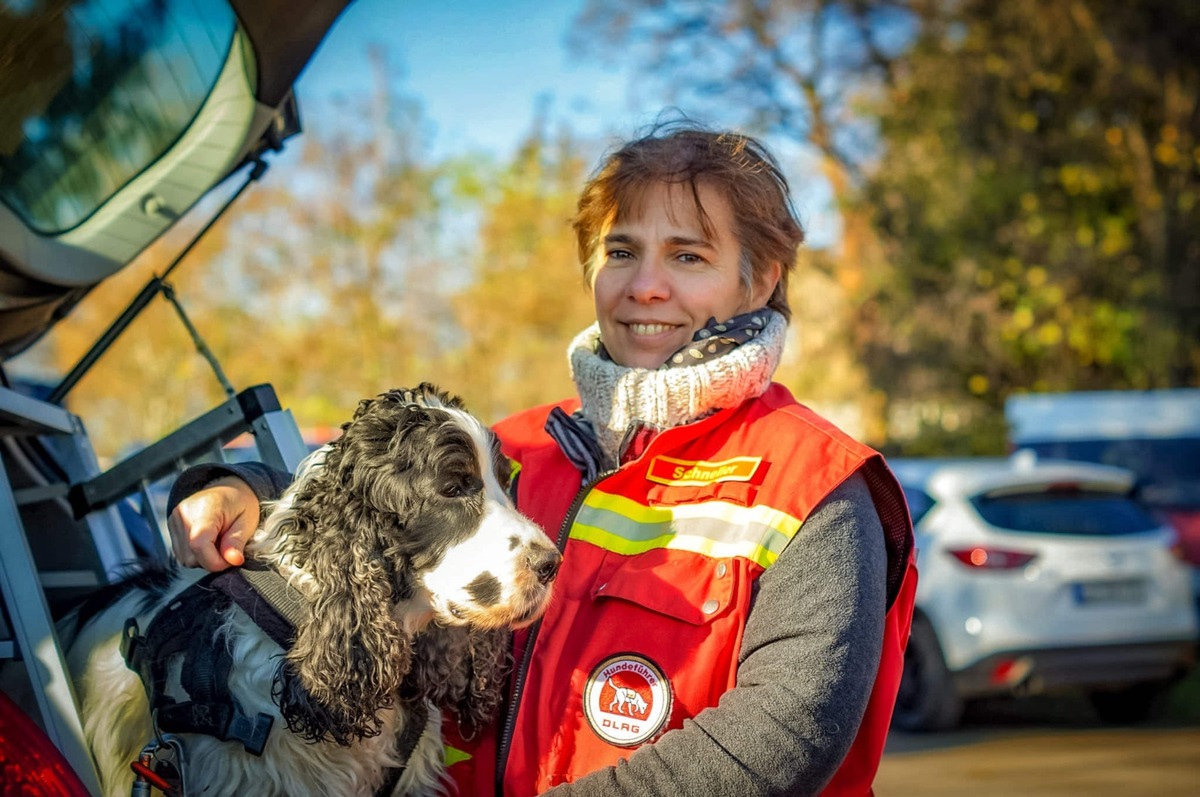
pixel 1154 433
pixel 1037 576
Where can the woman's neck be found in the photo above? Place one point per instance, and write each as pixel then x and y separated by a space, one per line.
pixel 616 398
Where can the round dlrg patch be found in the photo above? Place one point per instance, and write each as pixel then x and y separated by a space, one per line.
pixel 627 699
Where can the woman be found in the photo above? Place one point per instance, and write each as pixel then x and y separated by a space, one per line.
pixel 737 582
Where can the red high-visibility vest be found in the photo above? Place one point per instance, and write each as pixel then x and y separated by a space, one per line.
pixel 660 561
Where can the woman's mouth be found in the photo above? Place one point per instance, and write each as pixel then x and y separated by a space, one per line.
pixel 650 329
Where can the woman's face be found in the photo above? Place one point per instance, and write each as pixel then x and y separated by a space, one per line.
pixel 660 277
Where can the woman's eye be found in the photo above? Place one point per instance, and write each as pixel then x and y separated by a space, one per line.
pixel 688 257
pixel 618 254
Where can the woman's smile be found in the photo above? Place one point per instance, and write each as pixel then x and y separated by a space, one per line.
pixel 664 274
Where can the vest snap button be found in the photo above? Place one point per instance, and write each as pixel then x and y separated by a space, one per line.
pixel 721 569
pixel 709 606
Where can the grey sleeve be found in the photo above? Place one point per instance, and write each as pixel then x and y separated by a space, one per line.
pixel 809 656
pixel 266 482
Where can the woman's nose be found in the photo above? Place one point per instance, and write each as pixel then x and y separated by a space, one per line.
pixel 649 281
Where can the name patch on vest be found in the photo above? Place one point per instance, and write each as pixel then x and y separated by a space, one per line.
pixel 626 699
pixel 681 473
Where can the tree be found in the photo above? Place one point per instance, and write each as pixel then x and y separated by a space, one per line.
pixel 1018 183
pixel 527 298
pixel 1037 188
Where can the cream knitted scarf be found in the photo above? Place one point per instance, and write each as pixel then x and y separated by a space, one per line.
pixel 616 398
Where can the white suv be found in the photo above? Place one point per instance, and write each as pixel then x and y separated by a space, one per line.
pixel 1038 576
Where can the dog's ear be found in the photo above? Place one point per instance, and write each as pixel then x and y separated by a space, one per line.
pixel 350 655
pixel 461 669
pixel 490 657
pixel 382 440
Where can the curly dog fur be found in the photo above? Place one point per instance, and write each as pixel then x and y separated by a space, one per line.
pixel 414 567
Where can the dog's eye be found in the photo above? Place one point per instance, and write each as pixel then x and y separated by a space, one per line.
pixel 457 488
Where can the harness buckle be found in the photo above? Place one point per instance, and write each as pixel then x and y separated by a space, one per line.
pixel 161 765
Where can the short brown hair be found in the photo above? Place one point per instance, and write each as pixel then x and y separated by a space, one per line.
pixel 738 166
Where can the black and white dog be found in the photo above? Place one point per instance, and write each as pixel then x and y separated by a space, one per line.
pixel 410 565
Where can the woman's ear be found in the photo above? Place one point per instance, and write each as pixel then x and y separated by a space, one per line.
pixel 764 285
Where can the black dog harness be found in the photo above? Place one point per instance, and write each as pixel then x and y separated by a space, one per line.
pixel 188 626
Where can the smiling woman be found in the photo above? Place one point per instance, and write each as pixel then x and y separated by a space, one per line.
pixel 737 577
pixel 664 274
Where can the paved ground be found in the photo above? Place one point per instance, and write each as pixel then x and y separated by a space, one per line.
pixel 1047 749
pixel 1049 763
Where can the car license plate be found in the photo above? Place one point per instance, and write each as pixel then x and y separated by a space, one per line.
pixel 1092 592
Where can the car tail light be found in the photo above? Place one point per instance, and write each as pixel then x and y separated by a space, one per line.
pixel 1010 672
pixel 1186 525
pixel 981 557
pixel 30 765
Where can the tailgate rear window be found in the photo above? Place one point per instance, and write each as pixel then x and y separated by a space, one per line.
pixel 1079 513
pixel 95 91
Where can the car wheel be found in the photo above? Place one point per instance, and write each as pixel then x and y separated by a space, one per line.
pixel 927 700
pixel 1130 704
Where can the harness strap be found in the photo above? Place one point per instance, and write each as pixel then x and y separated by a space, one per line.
pixel 270 601
pixel 418 718
pixel 188 626
pixel 277 591
pixel 171 632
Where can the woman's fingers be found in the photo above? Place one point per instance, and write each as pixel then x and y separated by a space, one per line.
pixel 210 528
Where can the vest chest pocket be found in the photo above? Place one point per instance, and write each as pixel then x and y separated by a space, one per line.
pixel 739 493
pixel 682 613
pixel 686 586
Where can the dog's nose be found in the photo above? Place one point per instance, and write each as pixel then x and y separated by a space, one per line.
pixel 545 562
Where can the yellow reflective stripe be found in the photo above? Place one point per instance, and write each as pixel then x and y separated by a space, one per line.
pixel 733 514
pixel 452 755
pixel 711 528
pixel 514 469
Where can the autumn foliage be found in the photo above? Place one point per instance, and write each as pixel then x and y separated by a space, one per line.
pixel 1018 185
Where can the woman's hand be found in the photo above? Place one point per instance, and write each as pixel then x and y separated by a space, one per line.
pixel 210 527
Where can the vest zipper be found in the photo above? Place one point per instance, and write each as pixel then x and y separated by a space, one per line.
pixel 510 720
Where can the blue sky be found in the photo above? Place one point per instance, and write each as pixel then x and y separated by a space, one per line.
pixel 478 68
pixel 481 69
